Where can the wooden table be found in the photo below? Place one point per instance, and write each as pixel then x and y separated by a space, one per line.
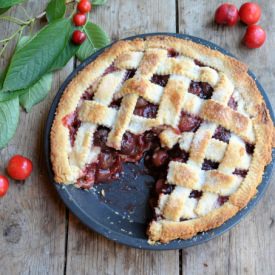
pixel 39 236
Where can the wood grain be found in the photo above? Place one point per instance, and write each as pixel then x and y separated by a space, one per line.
pixel 33 224
pixel 88 252
pixel 32 217
pixel 249 247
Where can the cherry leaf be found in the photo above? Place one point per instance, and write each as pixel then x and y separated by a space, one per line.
pixel 96 39
pixel 31 61
pixel 4 96
pixel 55 10
pixel 3 10
pixel 67 53
pixel 36 93
pixel 9 117
pixel 9 3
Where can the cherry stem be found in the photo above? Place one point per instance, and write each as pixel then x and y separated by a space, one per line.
pixel 22 24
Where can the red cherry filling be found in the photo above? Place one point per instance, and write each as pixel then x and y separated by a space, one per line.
pixel 134 146
pixel 222 200
pixel 129 144
pixel 198 63
pixel 88 178
pixel 232 103
pixel 112 68
pixel 240 172
pixel 162 187
pixel 209 165
pixel 249 148
pixel 130 74
pixel 176 154
pixel 195 194
pixel 107 159
pixel 189 123
pixel 145 109
pixel 87 95
pixel 73 123
pixel 160 157
pixel 109 166
pixel 201 89
pixel 101 136
pixel 172 53
pixel 160 79
pixel 116 103
pixel 222 134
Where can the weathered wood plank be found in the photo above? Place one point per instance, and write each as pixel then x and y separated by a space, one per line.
pixel 32 227
pixel 88 252
pixel 248 248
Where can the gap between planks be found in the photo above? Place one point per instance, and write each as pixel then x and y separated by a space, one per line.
pixel 67 213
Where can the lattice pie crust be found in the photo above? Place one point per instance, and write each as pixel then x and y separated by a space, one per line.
pixel 226 154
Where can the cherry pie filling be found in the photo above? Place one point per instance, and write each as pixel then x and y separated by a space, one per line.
pixel 73 123
pixel 232 103
pixel 134 147
pixel 201 89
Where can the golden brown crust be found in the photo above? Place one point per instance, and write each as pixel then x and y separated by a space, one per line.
pixel 254 124
pixel 181 174
pixel 228 118
pixel 167 230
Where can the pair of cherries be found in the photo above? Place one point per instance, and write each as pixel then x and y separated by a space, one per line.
pixel 249 13
pixel 18 168
pixel 79 19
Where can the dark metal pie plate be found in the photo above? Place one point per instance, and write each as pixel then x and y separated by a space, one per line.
pixel 119 210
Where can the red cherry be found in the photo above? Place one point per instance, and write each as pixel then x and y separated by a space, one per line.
pixel 84 6
pixel 79 19
pixel 4 185
pixel 254 37
pixel 226 14
pixel 250 13
pixel 78 37
pixel 19 167
pixel 160 157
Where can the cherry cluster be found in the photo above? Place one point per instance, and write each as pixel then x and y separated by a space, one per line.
pixel 79 19
pixel 249 13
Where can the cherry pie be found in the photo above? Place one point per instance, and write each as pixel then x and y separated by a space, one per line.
pixel 193 114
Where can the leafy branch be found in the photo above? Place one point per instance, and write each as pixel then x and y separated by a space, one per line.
pixel 28 77
pixel 23 24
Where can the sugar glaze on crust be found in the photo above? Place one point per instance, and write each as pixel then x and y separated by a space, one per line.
pixel 180 216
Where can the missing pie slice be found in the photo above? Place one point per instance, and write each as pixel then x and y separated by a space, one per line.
pixel 193 114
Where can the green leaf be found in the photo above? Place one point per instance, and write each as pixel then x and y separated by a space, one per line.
pixel 9 117
pixel 98 2
pixel 96 39
pixel 67 53
pixel 4 96
pixel 36 93
pixel 31 61
pixel 3 10
pixel 2 78
pixel 22 42
pixel 56 9
pixel 9 3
